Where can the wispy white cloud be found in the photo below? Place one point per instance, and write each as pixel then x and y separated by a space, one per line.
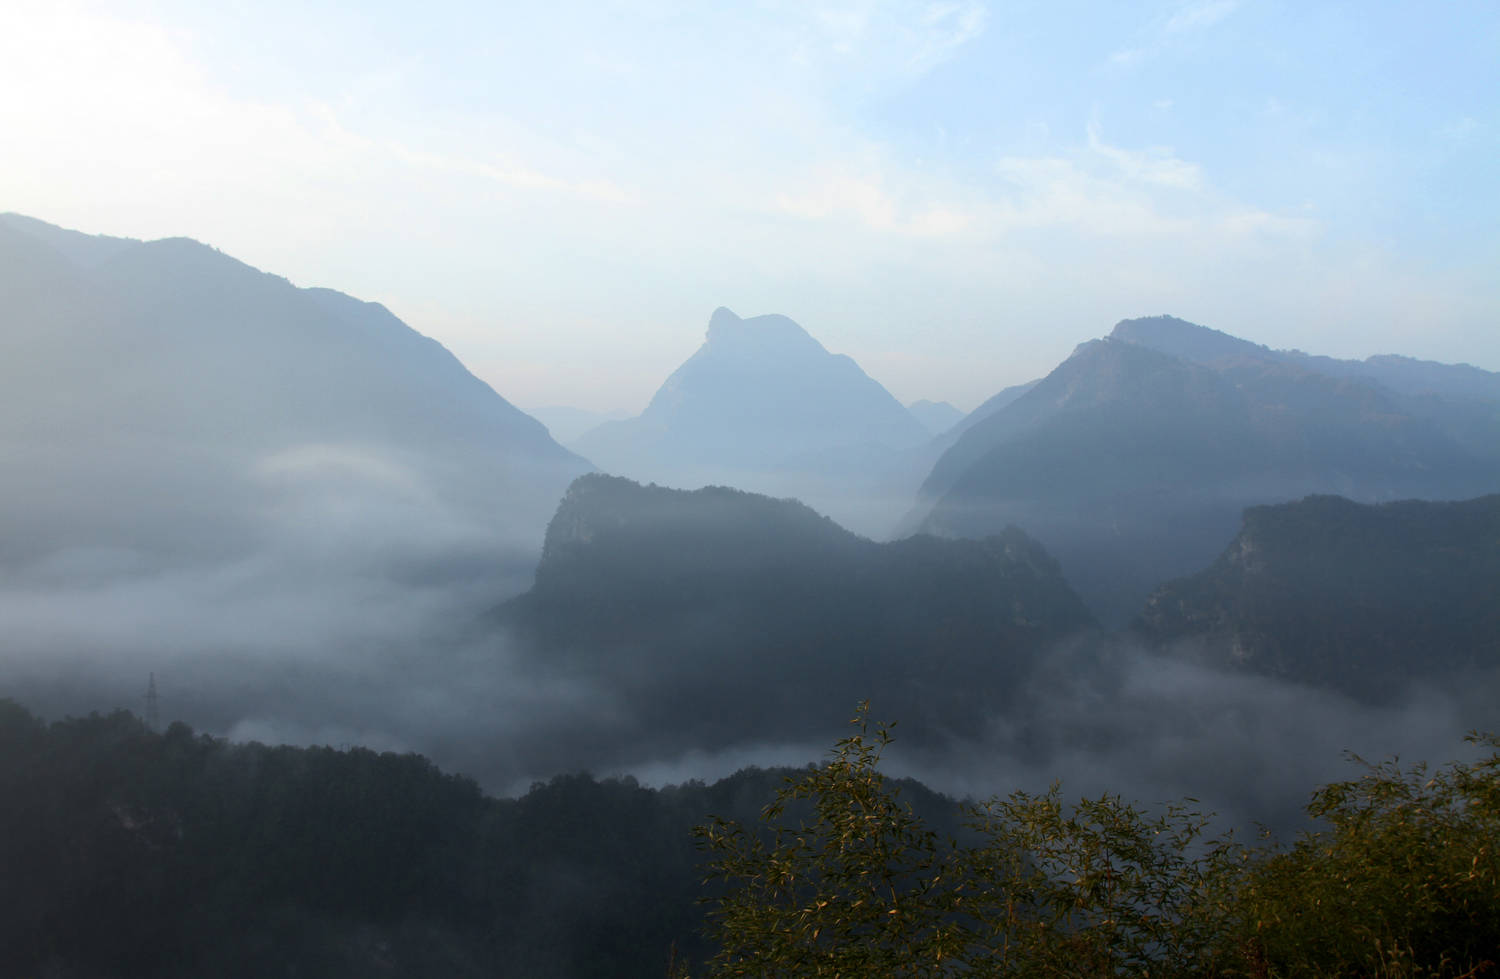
pixel 1114 191
pixel 1057 193
pixel 1195 16
pixel 1186 20
pixel 1156 165
pixel 946 27
pixel 1249 221
pixel 776 155
pixel 517 176
pixel 870 203
pixel 894 36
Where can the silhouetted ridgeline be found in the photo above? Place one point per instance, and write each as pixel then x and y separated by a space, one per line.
pixel 763 406
pixel 1132 460
pixel 1367 599
pixel 725 615
pixel 165 397
pixel 129 853
pixel 758 394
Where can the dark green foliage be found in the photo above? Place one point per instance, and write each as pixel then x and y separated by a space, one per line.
pixel 144 854
pixel 696 607
pixel 862 886
pixel 130 853
pixel 1403 880
pixel 857 885
pixel 1363 598
pixel 1100 888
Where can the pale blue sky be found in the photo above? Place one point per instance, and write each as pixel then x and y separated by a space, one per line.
pixel 953 193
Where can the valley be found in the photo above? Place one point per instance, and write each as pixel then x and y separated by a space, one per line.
pixel 1178 564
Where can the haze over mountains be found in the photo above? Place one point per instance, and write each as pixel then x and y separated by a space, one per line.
pixel 696 629
pixel 1369 599
pixel 230 481
pixel 164 396
pixel 938 416
pixel 313 525
pixel 763 406
pixel 1132 460
pixel 698 616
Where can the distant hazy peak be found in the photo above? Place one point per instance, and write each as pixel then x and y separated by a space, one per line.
pixel 769 334
pixel 923 404
pixel 937 416
pixel 1189 341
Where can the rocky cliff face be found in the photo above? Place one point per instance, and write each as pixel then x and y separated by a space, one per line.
pixel 1368 599
pixel 723 602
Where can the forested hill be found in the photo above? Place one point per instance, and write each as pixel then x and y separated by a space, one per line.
pixel 128 853
pixel 720 616
pixel 1358 597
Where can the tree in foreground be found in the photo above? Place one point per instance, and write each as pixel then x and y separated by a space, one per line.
pixel 844 879
pixel 1404 882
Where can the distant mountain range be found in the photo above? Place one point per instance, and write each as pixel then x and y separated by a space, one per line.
pixel 713 611
pixel 937 416
pixel 1132 460
pixel 763 406
pixel 1366 599
pixel 565 423
pixel 167 403
pixel 163 397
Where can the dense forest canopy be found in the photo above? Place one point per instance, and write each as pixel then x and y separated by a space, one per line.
pixel 136 853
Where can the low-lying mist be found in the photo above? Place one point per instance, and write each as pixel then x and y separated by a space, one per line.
pixel 347 603
pixel 371 630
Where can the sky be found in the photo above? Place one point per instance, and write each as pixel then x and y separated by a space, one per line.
pixel 953 193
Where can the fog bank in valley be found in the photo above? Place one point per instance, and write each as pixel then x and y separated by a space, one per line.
pixel 322 639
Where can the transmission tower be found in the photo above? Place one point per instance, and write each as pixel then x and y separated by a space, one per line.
pixel 153 709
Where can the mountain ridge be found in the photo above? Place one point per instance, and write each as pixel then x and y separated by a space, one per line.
pixel 1364 598
pixel 1132 464
pixel 763 405
pixel 168 364
pixel 720 602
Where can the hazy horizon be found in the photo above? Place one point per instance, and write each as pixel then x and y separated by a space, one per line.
pixel 952 194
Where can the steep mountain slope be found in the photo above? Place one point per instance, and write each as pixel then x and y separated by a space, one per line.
pixel 1132 464
pixel 729 617
pixel 762 405
pixel 163 397
pixel 1362 598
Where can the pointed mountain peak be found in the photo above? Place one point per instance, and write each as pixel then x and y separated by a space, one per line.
pixel 723 320
pixel 769 334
